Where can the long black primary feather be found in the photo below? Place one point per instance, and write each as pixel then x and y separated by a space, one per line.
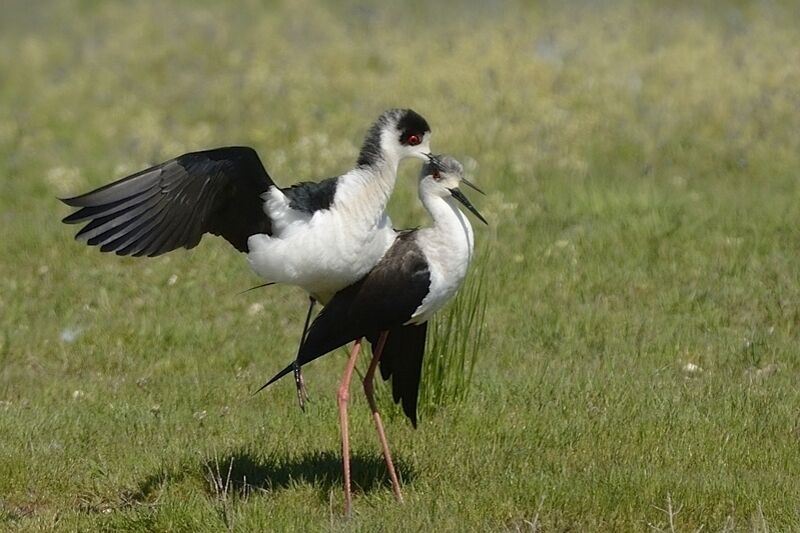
pixel 171 205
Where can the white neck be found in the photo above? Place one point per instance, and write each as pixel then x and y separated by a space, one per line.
pixel 365 190
pixel 450 240
pixel 447 246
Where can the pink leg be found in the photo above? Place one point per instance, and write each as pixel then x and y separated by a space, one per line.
pixel 370 392
pixel 344 395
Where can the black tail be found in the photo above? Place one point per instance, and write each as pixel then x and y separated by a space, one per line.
pixel 402 361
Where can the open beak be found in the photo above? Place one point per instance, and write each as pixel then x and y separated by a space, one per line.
pixel 458 195
pixel 437 162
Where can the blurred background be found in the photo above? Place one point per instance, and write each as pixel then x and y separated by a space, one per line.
pixel 639 345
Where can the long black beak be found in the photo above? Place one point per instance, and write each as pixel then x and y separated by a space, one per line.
pixel 458 195
pixel 469 183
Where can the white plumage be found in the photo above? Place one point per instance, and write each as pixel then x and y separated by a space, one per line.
pixel 447 245
pixel 329 250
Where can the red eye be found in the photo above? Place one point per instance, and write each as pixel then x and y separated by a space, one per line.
pixel 413 140
pixel 436 175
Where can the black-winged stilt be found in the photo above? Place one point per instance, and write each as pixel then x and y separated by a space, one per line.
pixel 422 270
pixel 320 236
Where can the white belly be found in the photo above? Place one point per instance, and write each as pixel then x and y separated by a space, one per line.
pixel 322 255
pixel 444 285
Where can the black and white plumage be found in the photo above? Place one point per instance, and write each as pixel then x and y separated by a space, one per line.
pixel 320 236
pixel 420 272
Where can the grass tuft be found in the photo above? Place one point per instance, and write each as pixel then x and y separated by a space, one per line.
pixel 455 341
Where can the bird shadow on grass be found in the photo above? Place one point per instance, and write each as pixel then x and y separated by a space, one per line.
pixel 243 473
pixel 246 472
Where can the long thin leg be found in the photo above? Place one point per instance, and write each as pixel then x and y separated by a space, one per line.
pixel 344 395
pixel 369 390
pixel 302 395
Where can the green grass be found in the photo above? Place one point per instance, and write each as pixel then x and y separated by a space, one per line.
pixel 454 344
pixel 642 168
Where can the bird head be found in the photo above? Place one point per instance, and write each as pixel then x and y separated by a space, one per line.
pixel 396 135
pixel 441 176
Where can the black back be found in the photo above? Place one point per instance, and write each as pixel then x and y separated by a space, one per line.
pixel 308 196
pixel 173 204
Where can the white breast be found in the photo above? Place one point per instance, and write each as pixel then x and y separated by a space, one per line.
pixel 448 247
pixel 331 249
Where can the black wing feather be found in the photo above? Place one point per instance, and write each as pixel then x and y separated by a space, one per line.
pixel 88 213
pixel 173 204
pixel 309 196
pixel 385 298
pixel 101 228
pixel 154 216
pixel 401 360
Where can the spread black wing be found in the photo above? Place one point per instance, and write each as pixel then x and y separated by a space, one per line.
pixel 401 360
pixel 384 299
pixel 173 204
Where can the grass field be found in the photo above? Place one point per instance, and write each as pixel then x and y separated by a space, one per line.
pixel 642 168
